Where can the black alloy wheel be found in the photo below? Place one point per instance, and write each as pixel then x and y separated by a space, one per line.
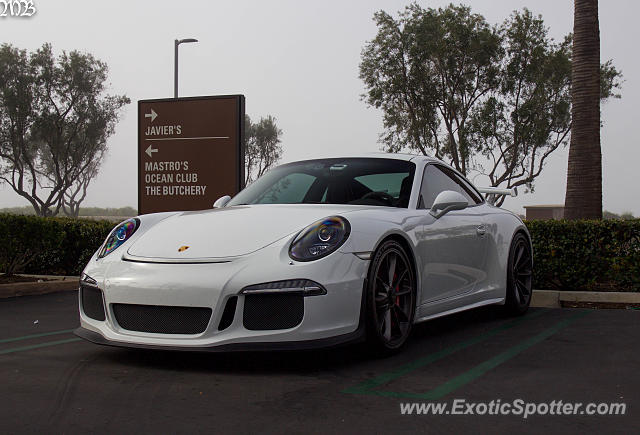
pixel 519 276
pixel 391 297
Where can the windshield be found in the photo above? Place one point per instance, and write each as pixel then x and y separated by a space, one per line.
pixel 365 181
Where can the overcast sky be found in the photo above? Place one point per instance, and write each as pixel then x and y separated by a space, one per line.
pixel 298 61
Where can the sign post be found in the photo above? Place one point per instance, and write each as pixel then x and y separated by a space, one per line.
pixel 190 152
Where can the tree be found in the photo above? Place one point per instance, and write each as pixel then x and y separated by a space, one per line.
pixel 493 100
pixel 77 191
pixel 584 173
pixel 262 146
pixel 55 122
pixel 627 215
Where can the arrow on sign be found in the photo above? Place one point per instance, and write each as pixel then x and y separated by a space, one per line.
pixel 151 115
pixel 150 151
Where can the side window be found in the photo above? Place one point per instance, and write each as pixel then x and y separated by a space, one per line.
pixel 437 179
pixel 463 184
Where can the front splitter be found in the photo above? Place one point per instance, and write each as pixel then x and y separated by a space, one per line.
pixel 353 337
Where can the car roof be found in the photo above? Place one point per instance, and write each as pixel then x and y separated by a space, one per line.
pixel 377 155
pixel 400 156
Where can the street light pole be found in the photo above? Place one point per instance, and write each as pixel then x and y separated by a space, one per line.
pixel 175 69
pixel 175 62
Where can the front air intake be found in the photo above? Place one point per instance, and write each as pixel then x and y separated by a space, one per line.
pixel 228 313
pixel 162 319
pixel 92 304
pixel 272 311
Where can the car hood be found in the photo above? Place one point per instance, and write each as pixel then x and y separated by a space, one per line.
pixel 227 232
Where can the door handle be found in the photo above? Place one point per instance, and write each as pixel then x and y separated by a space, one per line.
pixel 481 230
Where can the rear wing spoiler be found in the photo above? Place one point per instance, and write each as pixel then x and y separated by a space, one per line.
pixel 492 193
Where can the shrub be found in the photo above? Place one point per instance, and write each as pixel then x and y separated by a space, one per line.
pixel 54 246
pixel 586 255
pixel 24 238
pixel 568 255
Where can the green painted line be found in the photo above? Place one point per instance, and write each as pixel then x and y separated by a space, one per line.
pixel 482 368
pixel 37 346
pixel 365 387
pixel 28 337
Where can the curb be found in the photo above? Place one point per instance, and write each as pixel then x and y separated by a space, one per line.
pixel 50 277
pixel 66 283
pixel 559 299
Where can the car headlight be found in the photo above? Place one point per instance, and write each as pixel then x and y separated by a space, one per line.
pixel 118 236
pixel 320 239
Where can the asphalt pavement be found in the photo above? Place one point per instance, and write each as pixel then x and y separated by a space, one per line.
pixel 471 364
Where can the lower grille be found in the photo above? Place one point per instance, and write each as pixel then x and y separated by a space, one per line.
pixel 162 319
pixel 92 304
pixel 272 311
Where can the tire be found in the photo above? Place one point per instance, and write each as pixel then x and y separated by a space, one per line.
pixel 390 298
pixel 519 276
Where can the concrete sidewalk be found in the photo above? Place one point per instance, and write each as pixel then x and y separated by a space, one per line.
pixel 561 298
pixel 49 284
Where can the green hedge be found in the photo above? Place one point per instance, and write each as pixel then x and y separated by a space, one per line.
pixel 586 255
pixel 568 255
pixel 52 246
pixel 24 238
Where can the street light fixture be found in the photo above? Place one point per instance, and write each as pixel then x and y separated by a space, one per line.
pixel 175 75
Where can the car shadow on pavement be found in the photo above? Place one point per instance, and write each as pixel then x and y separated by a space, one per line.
pixel 304 361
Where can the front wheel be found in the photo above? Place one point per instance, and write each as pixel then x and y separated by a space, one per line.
pixel 519 276
pixel 390 298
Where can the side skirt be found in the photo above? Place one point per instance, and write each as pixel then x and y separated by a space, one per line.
pixel 495 301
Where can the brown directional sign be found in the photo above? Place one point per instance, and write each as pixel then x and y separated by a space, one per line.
pixel 189 152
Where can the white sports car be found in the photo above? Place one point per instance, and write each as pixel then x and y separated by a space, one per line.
pixel 314 253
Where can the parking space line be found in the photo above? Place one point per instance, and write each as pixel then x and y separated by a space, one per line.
pixel 479 370
pixel 365 387
pixel 36 346
pixel 27 337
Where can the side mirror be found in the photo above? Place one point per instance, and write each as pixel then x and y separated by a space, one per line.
pixel 222 201
pixel 447 201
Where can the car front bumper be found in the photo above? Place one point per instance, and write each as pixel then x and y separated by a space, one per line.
pixel 327 320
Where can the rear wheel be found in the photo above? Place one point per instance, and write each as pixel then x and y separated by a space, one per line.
pixel 519 276
pixel 391 297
